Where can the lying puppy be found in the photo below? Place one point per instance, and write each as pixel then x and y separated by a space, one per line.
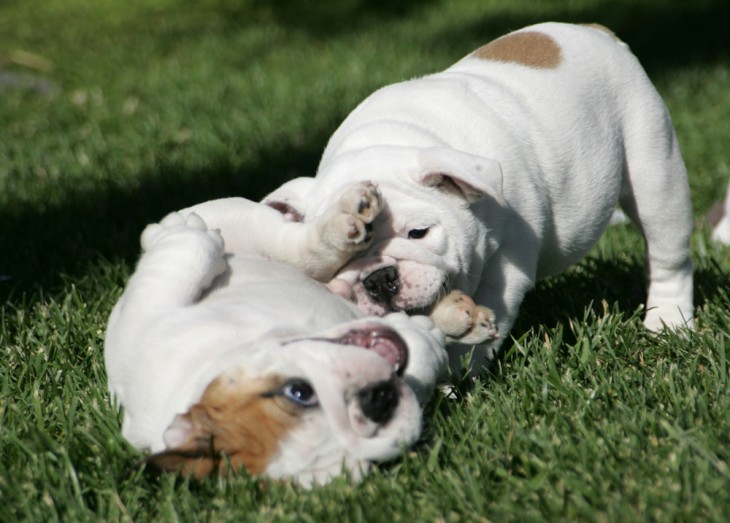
pixel 719 218
pixel 505 168
pixel 215 351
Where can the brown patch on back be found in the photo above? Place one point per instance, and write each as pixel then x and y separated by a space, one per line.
pixel 530 48
pixel 235 418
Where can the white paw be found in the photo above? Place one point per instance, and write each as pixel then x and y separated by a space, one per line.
pixel 463 320
pixel 672 318
pixel 349 224
pixel 175 224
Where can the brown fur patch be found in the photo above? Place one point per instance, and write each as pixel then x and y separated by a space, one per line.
pixel 235 418
pixel 530 48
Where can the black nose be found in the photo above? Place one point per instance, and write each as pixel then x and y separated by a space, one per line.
pixel 382 284
pixel 378 402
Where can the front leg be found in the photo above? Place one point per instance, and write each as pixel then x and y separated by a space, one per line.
pixel 319 247
pixel 343 230
pixel 503 286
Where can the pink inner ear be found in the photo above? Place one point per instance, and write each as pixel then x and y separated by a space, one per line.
pixel 289 212
pixel 178 433
pixel 449 183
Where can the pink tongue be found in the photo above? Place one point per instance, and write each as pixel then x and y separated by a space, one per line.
pixel 387 351
pixel 381 344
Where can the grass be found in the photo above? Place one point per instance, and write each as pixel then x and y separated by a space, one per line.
pixel 114 113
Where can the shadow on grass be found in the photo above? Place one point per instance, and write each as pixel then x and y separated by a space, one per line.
pixel 619 282
pixel 64 240
pixel 325 19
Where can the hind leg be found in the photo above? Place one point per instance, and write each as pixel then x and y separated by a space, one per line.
pixel 655 195
pixel 181 258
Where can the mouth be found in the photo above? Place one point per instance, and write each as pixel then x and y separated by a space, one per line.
pixel 381 340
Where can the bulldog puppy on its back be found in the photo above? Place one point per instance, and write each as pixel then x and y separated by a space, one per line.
pixel 506 168
pixel 221 351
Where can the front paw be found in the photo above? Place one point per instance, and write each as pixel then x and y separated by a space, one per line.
pixel 349 224
pixel 464 321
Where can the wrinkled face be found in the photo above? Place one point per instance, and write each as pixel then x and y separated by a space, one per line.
pixel 419 249
pixel 302 408
pixel 428 240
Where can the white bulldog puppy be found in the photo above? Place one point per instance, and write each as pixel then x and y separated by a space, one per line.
pixel 719 218
pixel 227 353
pixel 505 168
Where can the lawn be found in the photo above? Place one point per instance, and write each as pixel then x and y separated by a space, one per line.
pixel 114 113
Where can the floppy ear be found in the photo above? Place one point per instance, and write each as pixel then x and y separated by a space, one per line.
pixel 290 199
pixel 466 175
pixel 234 419
pixel 191 446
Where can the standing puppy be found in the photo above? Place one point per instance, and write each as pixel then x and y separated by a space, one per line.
pixel 506 168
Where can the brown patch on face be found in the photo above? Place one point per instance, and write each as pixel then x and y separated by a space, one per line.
pixel 603 29
pixel 237 418
pixel 530 48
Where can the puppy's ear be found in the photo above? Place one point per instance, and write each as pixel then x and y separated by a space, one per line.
pixel 291 213
pixel 466 175
pixel 234 418
pixel 290 199
pixel 449 183
pixel 192 449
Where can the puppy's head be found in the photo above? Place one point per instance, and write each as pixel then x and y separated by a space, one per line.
pixel 428 240
pixel 302 408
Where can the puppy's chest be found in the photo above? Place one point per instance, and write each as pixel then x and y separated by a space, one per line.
pixel 256 308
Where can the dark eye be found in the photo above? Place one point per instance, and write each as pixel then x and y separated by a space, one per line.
pixel 417 234
pixel 300 392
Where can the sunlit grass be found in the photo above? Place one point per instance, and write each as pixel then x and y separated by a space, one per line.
pixel 119 112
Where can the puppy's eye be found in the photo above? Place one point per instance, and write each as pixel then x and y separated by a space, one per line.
pixel 417 234
pixel 300 392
